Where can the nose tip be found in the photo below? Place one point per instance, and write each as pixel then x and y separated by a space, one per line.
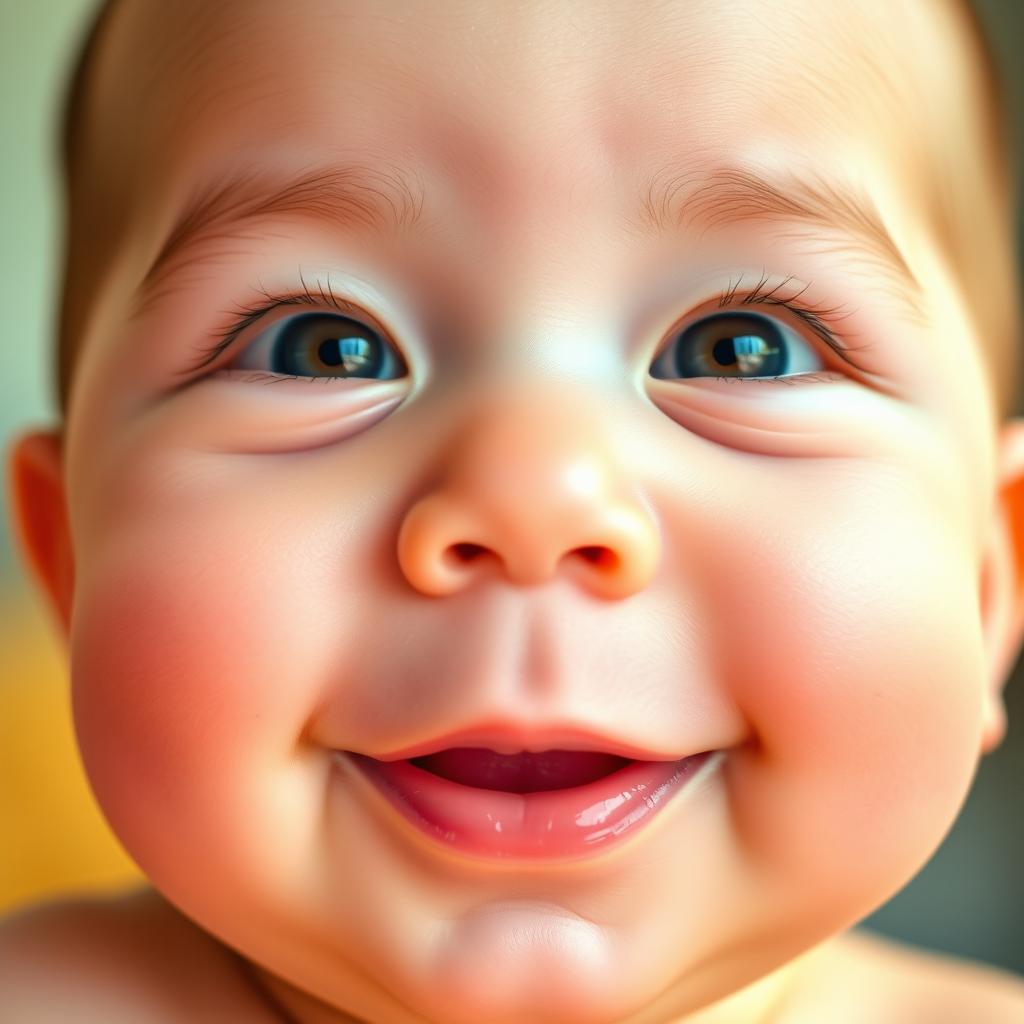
pixel 526 498
pixel 442 548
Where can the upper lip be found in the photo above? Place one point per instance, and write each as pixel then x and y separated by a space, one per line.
pixel 508 737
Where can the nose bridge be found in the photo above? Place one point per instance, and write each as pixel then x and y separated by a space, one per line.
pixel 533 444
pixel 533 484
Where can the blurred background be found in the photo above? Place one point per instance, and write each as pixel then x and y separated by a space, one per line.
pixel 969 900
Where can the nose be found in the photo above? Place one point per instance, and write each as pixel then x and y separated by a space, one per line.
pixel 527 491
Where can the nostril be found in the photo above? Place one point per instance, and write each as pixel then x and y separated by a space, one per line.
pixel 599 555
pixel 466 551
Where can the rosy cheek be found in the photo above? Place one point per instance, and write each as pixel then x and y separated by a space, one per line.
pixel 144 705
pixel 859 672
pixel 190 687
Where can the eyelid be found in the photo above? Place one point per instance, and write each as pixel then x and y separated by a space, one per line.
pixel 815 319
pixel 245 317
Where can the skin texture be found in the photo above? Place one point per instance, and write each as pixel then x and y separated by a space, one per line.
pixel 817 578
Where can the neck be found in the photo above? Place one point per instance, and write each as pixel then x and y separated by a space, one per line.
pixel 765 1001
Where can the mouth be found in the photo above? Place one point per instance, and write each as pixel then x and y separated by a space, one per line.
pixel 531 805
pixel 516 737
pixel 524 772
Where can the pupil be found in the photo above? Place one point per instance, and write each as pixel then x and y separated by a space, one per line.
pixel 750 353
pixel 329 352
pixel 724 351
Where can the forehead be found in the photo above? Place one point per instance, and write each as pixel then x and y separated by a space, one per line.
pixel 513 104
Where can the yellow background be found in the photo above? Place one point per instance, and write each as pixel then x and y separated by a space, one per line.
pixel 54 837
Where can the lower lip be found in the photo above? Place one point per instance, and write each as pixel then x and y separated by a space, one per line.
pixel 544 825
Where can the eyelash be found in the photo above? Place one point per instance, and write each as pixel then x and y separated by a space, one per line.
pixel 817 319
pixel 245 317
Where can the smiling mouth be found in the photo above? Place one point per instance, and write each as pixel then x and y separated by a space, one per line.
pixel 525 772
pixel 533 805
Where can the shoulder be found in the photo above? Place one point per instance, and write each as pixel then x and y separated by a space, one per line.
pixel 871 977
pixel 129 957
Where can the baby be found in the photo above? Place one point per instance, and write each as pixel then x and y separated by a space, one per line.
pixel 537 515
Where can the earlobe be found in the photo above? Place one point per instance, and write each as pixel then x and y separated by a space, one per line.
pixel 1002 584
pixel 39 516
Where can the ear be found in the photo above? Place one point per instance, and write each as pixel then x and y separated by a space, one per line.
pixel 1002 580
pixel 39 517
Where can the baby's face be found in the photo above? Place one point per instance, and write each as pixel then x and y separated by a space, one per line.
pixel 647 433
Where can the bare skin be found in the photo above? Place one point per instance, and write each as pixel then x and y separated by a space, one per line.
pixel 135 959
pixel 811 573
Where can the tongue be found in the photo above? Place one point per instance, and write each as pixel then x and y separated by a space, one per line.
pixel 520 773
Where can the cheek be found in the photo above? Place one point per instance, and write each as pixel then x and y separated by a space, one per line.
pixel 191 683
pixel 861 672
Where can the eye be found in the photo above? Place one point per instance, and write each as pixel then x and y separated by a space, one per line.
pixel 740 345
pixel 323 345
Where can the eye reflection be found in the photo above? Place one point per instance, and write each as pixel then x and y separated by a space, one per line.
pixel 323 345
pixel 730 345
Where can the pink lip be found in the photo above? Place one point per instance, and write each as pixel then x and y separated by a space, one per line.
pixel 508 737
pixel 542 825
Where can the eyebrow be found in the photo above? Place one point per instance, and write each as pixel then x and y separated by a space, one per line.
pixel 387 200
pixel 353 196
pixel 839 216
